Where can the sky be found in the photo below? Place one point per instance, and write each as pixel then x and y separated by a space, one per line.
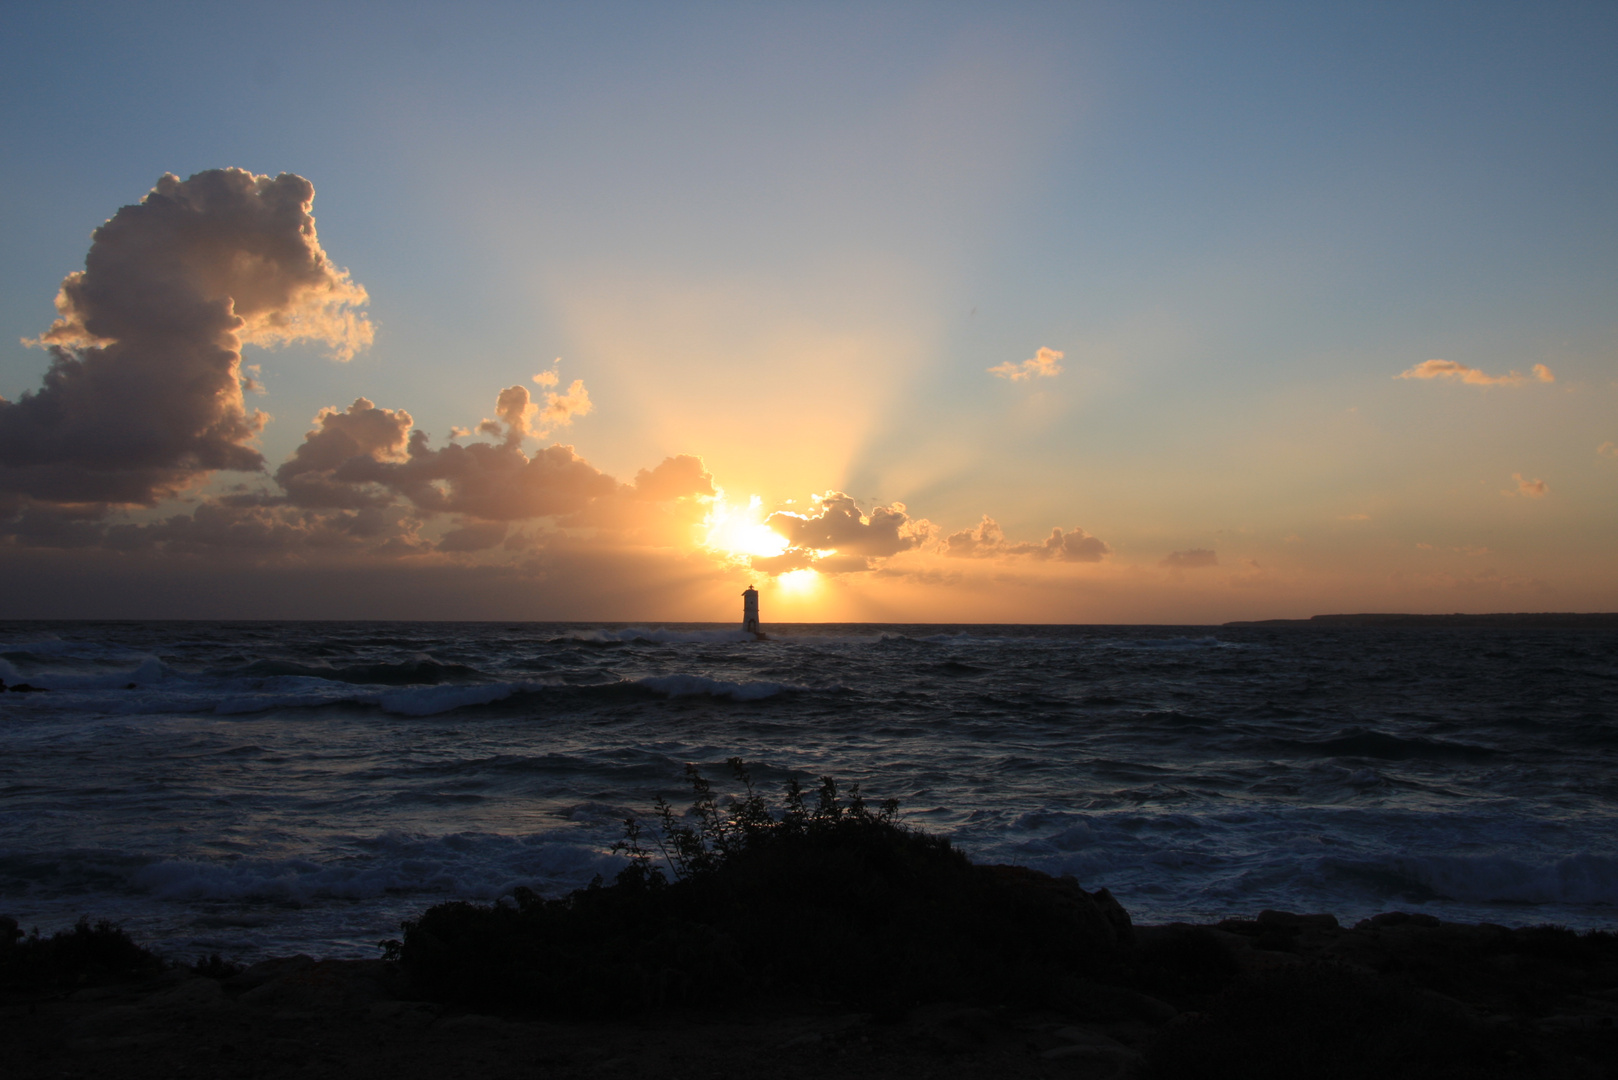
pixel 1040 312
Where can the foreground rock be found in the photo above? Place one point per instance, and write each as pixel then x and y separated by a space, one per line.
pixel 1281 995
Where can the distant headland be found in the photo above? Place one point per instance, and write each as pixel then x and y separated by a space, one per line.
pixel 1570 619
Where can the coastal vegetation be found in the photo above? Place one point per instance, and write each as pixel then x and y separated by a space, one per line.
pixel 841 906
pixel 828 935
pixel 87 953
pixel 829 898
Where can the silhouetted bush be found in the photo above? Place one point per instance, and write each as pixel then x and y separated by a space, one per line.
pixel 834 902
pixel 68 958
pixel 215 968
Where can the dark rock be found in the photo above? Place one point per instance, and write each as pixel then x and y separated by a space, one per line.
pixel 1287 918
pixel 1400 918
pixel 266 971
pixel 324 987
pixel 1116 915
pixel 1099 1001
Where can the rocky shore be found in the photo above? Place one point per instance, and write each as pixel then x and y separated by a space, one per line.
pixel 828 941
pixel 1279 995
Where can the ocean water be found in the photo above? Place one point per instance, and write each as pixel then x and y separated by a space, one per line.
pixel 264 788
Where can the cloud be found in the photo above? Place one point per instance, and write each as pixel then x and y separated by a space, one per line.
pixel 988 540
pixel 1043 364
pixel 309 477
pixel 1195 559
pixel 474 536
pixel 549 378
pixel 662 507
pixel 842 564
pixel 272 532
pixel 492 482
pixel 1533 489
pixel 1449 369
pixel 517 412
pixel 837 524
pixel 681 476
pixel 1353 517
pixel 562 408
pixel 1608 449
pixel 367 455
pixel 143 397
pixel 786 562
pixel 1075 545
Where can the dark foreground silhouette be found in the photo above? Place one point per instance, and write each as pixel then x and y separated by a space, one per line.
pixel 829 941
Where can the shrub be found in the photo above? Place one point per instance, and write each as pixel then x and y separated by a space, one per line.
pixel 836 901
pixel 85 954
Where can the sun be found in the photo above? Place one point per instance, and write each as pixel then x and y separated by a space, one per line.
pixel 739 531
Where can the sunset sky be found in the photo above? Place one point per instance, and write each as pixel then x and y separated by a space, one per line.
pixel 1016 312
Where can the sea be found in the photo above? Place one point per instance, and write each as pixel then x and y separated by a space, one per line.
pixel 252 789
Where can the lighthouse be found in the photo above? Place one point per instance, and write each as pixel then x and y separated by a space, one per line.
pixel 750 612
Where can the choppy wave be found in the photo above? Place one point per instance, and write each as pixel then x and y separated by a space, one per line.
pixel 318 782
pixel 1386 747
pixel 431 701
pixel 94 676
pixel 694 685
pixel 660 636
pixel 422 670
pixel 474 865
pixel 1579 879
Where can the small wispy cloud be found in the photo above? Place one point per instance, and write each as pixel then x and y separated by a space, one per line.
pixel 1044 363
pixel 562 408
pixel 549 378
pixel 1608 449
pixel 1450 369
pixel 1354 517
pixel 1533 489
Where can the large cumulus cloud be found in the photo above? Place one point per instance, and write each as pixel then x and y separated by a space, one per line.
pixel 836 523
pixel 367 456
pixel 144 393
pixel 836 537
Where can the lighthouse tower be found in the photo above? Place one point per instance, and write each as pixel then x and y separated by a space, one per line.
pixel 750 612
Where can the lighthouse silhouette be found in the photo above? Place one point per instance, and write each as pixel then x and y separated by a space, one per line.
pixel 750 612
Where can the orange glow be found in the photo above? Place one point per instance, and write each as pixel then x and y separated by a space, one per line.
pixel 799 583
pixel 739 531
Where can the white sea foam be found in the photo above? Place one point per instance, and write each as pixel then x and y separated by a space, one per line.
pixel 1316 776
pixel 147 671
pixel 1576 879
pixel 432 700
